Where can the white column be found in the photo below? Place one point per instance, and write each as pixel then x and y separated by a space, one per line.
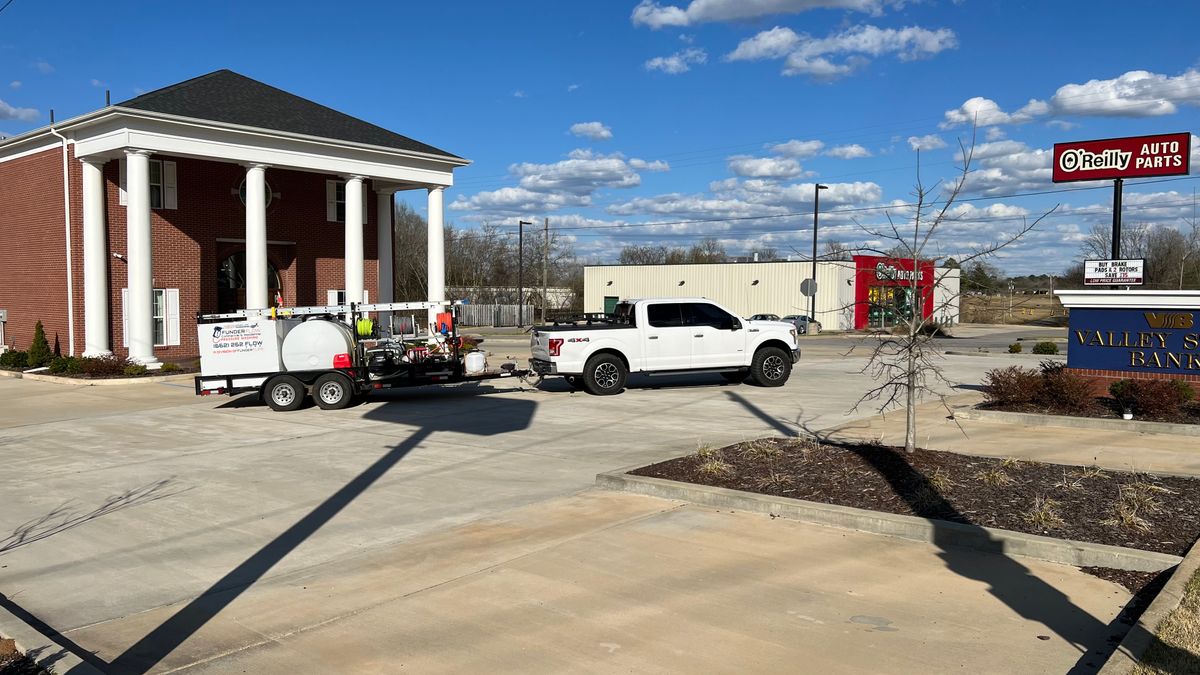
pixel 96 324
pixel 384 251
pixel 139 308
pixel 436 246
pixel 354 239
pixel 256 237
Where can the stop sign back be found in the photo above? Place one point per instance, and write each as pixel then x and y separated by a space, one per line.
pixel 1129 157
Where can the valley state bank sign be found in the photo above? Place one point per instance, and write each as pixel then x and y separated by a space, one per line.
pixel 1162 341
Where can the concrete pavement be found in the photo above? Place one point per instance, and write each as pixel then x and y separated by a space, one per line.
pixel 128 502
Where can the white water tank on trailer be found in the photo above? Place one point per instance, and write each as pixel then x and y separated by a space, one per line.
pixel 313 344
pixel 476 362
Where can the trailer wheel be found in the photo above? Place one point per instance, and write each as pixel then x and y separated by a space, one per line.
pixel 333 391
pixel 771 367
pixel 604 375
pixel 283 393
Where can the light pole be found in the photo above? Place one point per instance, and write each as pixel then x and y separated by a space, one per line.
pixel 521 271
pixel 812 301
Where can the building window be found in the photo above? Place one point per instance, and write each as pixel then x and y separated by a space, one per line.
pixel 156 184
pixel 339 200
pixel 160 317
pixel 164 310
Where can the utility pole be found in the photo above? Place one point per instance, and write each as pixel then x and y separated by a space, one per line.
pixel 521 272
pixel 545 267
pixel 812 301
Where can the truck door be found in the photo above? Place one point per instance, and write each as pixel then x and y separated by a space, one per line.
pixel 718 338
pixel 668 342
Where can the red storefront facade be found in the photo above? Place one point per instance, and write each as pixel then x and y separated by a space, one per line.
pixel 883 289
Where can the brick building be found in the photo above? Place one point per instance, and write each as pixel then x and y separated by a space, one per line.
pixel 214 194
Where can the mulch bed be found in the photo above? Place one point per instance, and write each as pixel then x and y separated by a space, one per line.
pixel 13 662
pixel 1136 510
pixel 1105 408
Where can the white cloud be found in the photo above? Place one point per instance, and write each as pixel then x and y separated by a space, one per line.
pixel 1005 167
pixel 926 142
pixel 769 44
pixel 797 149
pixel 519 93
pixel 765 167
pixel 806 55
pixel 653 15
pixel 994 134
pixel 733 198
pixel 572 87
pixel 8 112
pixel 568 183
pixel 97 83
pixel 679 62
pixel 1137 93
pixel 851 151
pixel 596 131
pixel 43 67
pixel 15 84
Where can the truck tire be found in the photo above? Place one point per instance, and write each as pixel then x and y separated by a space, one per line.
pixel 604 375
pixel 283 393
pixel 771 367
pixel 333 391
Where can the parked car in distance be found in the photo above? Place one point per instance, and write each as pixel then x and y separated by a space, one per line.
pixel 802 323
pixel 765 317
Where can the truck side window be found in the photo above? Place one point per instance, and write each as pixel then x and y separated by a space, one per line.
pixel 666 315
pixel 704 314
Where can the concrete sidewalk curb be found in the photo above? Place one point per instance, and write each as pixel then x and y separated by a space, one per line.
pixel 1068 422
pixel 1006 355
pixel 98 382
pixel 43 650
pixel 1067 552
pixel 1140 636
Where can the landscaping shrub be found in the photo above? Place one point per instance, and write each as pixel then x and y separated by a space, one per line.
pixel 1063 391
pixel 1014 348
pixel 1013 385
pixel 134 370
pixel 1045 348
pixel 169 368
pixel 104 366
pixel 14 359
pixel 1154 398
pixel 66 365
pixel 39 350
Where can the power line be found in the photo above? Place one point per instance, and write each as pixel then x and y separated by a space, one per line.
pixel 6 5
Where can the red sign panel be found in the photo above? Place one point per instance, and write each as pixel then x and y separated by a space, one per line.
pixel 1131 157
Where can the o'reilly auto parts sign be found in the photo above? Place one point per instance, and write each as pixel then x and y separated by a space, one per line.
pixel 1113 272
pixel 1131 157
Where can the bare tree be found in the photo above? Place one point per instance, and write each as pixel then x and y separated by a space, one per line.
pixel 904 363
pixel 836 250
pixel 642 255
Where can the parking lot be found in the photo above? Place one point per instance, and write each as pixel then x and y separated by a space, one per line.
pixel 452 529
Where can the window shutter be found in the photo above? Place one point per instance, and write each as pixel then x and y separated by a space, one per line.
pixel 124 317
pixel 170 193
pixel 366 298
pixel 171 298
pixel 366 200
pixel 331 297
pixel 123 183
pixel 331 201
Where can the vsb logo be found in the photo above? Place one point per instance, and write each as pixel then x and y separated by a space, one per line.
pixel 1170 319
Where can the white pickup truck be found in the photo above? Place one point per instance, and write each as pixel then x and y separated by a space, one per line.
pixel 665 336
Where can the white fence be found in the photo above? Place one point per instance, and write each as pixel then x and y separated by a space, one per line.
pixel 495 315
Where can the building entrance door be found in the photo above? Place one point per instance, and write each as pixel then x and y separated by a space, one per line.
pixel 231 283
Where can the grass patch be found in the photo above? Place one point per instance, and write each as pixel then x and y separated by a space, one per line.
pixel 1178 642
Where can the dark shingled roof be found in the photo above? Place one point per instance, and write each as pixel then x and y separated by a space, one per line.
pixel 225 96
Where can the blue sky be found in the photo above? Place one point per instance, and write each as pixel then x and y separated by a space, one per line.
pixel 721 111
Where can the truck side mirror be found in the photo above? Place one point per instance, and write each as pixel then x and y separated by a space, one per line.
pixel 737 325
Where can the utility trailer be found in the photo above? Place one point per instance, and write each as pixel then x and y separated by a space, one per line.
pixel 333 353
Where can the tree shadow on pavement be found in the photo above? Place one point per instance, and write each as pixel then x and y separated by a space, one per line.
pixel 506 415
pixel 1007 579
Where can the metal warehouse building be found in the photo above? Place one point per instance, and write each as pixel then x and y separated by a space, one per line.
pixel 869 291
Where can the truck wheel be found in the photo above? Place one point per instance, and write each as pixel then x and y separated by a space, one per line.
pixel 604 375
pixel 771 367
pixel 333 391
pixel 284 393
pixel 734 376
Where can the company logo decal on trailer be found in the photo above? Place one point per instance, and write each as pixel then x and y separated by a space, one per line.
pixel 1130 157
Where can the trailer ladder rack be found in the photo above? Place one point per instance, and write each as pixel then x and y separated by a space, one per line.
pixel 286 312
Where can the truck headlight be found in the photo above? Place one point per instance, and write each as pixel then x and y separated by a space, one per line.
pixel 794 334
